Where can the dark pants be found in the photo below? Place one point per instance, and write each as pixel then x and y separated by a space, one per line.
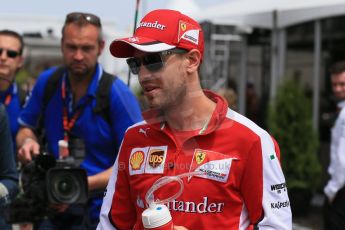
pixel 334 213
pixel 3 224
pixel 76 217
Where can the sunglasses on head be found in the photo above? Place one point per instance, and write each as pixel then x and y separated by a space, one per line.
pixel 9 53
pixel 153 62
pixel 78 16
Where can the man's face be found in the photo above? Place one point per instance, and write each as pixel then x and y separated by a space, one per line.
pixel 81 48
pixel 9 65
pixel 166 87
pixel 338 85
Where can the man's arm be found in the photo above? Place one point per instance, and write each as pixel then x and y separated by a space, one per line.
pixel 100 180
pixel 337 180
pixel 118 211
pixel 267 207
pixel 8 173
pixel 27 145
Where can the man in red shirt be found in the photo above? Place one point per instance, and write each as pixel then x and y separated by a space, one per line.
pixel 187 129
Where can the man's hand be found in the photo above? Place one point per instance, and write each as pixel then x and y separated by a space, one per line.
pixel 26 226
pixel 179 228
pixel 59 207
pixel 29 148
pixel 330 200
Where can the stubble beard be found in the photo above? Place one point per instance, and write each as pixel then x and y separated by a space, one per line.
pixel 79 73
pixel 174 98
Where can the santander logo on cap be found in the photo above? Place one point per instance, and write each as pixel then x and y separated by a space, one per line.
pixel 155 25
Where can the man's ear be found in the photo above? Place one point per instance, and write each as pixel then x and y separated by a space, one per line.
pixel 194 60
pixel 20 62
pixel 61 44
pixel 101 47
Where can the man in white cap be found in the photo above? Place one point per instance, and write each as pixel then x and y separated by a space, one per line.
pixel 240 183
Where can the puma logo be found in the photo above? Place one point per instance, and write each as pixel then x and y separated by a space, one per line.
pixel 143 131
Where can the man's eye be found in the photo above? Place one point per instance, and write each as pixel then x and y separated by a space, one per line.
pixel 72 48
pixel 87 48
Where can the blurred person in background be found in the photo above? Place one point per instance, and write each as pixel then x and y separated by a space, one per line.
pixel 69 115
pixel 335 188
pixel 8 171
pixel 11 60
pixel 230 96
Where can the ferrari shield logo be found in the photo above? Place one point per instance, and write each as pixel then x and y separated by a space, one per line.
pixel 200 157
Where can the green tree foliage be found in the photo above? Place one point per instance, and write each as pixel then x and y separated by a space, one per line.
pixel 22 76
pixel 290 122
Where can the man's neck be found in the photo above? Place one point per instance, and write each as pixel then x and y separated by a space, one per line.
pixel 193 114
pixel 79 85
pixel 4 84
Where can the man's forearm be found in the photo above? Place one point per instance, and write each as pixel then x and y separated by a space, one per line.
pixel 100 180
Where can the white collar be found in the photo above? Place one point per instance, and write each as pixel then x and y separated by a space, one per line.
pixel 341 104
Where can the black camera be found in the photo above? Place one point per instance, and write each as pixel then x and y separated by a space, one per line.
pixel 46 181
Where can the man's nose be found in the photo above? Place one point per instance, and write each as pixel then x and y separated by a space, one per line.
pixel 78 55
pixel 3 54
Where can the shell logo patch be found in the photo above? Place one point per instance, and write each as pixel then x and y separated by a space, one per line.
pixel 200 156
pixel 137 160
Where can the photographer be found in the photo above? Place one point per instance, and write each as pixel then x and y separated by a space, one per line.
pixel 70 115
pixel 8 172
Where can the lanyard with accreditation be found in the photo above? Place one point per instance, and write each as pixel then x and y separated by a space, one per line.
pixel 68 124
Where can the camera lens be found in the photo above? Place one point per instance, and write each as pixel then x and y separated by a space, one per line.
pixel 65 187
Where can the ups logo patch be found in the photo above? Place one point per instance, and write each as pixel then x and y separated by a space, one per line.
pixel 156 157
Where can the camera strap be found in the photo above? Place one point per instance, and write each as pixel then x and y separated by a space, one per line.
pixel 102 106
pixel 102 93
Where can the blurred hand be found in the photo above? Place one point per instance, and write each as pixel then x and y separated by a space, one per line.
pixel 179 228
pixel 330 200
pixel 27 226
pixel 59 207
pixel 29 148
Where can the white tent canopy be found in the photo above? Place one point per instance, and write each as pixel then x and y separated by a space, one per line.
pixel 260 14
pixel 277 15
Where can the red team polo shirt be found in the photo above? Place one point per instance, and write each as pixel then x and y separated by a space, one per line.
pixel 241 185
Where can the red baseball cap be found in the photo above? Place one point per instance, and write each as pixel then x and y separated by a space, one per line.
pixel 161 30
